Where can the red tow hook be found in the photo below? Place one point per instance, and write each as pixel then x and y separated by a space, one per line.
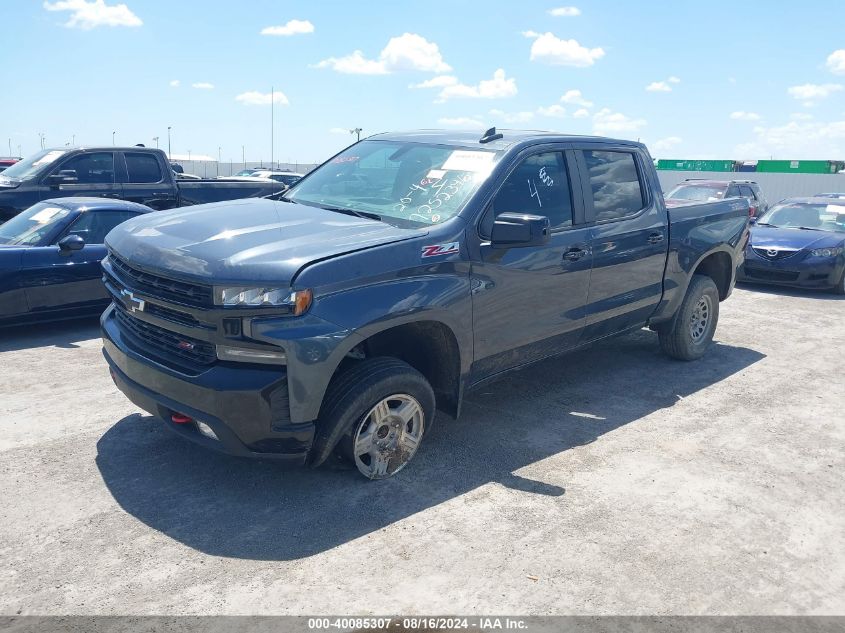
pixel 178 418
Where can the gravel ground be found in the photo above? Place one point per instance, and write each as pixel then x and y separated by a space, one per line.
pixel 611 481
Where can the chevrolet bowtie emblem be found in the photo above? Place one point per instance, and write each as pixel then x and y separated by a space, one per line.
pixel 131 302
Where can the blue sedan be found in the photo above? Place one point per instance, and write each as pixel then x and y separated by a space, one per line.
pixel 799 242
pixel 50 258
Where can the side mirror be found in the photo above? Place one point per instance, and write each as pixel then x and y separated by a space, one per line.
pixel 752 220
pixel 71 243
pixel 63 177
pixel 513 230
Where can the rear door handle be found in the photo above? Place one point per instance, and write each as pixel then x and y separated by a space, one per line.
pixel 161 194
pixel 655 238
pixel 574 254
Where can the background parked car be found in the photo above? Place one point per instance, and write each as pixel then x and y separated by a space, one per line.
pixel 50 258
pixel 799 242
pixel 830 195
pixel 701 190
pixel 288 178
pixel 7 161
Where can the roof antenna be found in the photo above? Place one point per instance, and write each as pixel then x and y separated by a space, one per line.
pixel 490 136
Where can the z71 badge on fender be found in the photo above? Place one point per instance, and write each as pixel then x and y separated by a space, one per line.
pixel 440 249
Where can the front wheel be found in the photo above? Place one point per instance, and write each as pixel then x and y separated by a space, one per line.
pixel 385 407
pixel 690 333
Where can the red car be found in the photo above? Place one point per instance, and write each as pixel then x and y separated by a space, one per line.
pixel 7 162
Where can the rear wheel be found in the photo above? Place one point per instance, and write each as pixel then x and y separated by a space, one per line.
pixel 690 333
pixel 383 407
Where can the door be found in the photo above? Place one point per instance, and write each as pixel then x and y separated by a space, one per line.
pixel 93 173
pixel 629 240
pixel 57 281
pixel 145 181
pixel 528 303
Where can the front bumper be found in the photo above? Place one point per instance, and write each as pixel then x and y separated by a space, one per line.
pixel 791 271
pixel 247 407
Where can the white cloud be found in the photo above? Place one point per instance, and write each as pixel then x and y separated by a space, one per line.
pixel 836 62
pixel 292 27
pixel 408 51
pixel 667 143
pixel 462 121
pixel 741 115
pixel 565 12
pixel 801 116
pixel 581 113
pixel 441 81
pixel 673 80
pixel 202 85
pixel 89 15
pixel 553 111
pixel 576 98
pixel 262 98
pixel 658 86
pixel 795 140
pixel 174 83
pixel 512 117
pixel 812 92
pixel 549 49
pixel 606 121
pixel 496 88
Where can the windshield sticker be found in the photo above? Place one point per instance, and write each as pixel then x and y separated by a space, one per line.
pixel 467 160
pixel 49 157
pixel 346 159
pixel 835 208
pixel 441 249
pixel 435 174
pixel 45 215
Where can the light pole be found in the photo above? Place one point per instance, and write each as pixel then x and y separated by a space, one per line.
pixel 189 155
pixel 41 138
pixel 73 140
pixel 357 131
pixel 155 138
pixel 272 123
pixel 10 147
pixel 168 143
pixel 112 137
pixel 243 155
pixel 218 160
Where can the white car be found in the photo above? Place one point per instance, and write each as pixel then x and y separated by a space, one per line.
pixel 287 178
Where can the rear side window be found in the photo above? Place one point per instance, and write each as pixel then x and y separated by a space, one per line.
pixel 142 168
pixel 747 192
pixel 91 169
pixel 615 184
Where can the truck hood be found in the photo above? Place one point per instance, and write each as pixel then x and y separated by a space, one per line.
pixel 247 241
pixel 775 237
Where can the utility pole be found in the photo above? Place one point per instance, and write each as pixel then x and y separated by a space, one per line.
pixel 189 155
pixel 168 143
pixel 357 131
pixel 112 137
pixel 243 155
pixel 155 138
pixel 272 124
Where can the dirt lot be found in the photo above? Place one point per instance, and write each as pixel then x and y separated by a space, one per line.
pixel 612 481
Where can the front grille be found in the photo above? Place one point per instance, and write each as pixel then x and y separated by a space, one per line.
pixel 175 316
pixel 192 294
pixel 770 275
pixel 763 252
pixel 160 344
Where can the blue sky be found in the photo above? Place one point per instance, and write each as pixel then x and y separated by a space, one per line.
pixel 739 80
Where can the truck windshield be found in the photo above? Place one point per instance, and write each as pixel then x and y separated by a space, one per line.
pixel 697 192
pixel 403 183
pixel 30 227
pixel 29 167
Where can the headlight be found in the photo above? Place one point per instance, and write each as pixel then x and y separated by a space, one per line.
pixel 826 252
pixel 241 296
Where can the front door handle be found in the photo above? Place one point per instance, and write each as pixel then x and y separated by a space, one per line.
pixel 574 254
pixel 655 238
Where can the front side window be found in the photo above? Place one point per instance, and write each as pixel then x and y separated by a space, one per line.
pixel 404 183
pixel 94 225
pixel 91 169
pixel 142 168
pixel 615 184
pixel 540 186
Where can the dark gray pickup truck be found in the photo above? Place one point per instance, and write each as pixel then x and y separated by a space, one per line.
pixel 394 277
pixel 136 174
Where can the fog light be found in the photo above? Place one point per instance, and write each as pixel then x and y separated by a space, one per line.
pixel 206 430
pixel 248 355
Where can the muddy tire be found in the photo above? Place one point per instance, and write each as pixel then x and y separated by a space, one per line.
pixel 381 408
pixel 689 334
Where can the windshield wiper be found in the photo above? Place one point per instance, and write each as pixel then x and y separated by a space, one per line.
pixel 765 224
pixel 810 228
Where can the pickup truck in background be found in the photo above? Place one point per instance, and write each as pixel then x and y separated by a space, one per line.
pixel 137 174
pixel 402 272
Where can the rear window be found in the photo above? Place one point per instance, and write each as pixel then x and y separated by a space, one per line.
pixel 699 193
pixel 142 168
